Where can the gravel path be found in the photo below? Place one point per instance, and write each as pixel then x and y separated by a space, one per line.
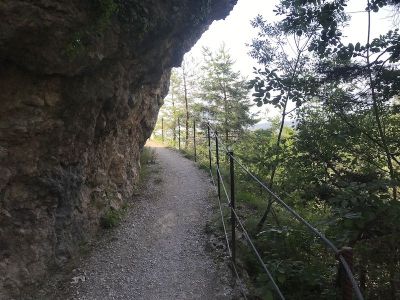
pixel 158 252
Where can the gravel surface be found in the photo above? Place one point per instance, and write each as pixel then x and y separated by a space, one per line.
pixel 159 250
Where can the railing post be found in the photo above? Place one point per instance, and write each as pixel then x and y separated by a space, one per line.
pixel 194 140
pixel 162 130
pixel 232 204
pixel 217 158
pixel 345 282
pixel 179 133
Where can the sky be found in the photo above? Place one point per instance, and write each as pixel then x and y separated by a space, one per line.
pixel 235 31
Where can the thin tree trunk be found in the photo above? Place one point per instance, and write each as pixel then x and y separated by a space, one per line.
pixel 184 75
pixel 174 119
pixel 376 112
pixel 275 166
pixel 226 116
pixel 278 152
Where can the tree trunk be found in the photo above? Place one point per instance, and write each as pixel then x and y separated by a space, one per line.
pixel 377 113
pixel 275 166
pixel 184 75
pixel 278 152
pixel 174 119
pixel 226 116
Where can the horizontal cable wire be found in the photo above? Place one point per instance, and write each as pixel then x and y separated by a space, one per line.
pixel 227 240
pixel 250 241
pixel 299 218
pixel 229 249
pixel 247 236
pixel 258 255
pixel 223 186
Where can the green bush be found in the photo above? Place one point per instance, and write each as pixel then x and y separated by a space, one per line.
pixel 111 219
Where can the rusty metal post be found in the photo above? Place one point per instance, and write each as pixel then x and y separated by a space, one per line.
pixel 217 158
pixel 232 204
pixel 179 133
pixel 194 140
pixel 347 288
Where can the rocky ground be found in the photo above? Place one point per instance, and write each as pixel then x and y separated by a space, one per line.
pixel 159 250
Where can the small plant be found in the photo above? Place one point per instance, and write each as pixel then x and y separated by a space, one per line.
pixel 111 219
pixel 146 156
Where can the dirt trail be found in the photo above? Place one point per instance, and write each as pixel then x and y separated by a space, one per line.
pixel 158 252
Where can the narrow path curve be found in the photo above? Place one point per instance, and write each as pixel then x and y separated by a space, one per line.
pixel 159 252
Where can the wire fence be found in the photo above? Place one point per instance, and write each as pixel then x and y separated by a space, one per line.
pixel 214 145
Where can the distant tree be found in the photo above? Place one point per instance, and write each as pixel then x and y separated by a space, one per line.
pixel 171 109
pixel 188 75
pixel 179 102
pixel 225 93
pixel 174 91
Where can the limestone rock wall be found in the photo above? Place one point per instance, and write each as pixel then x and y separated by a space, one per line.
pixel 81 83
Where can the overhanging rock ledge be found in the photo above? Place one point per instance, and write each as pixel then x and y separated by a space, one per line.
pixel 81 83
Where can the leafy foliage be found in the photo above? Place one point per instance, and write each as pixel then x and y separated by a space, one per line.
pixel 343 154
pixel 225 93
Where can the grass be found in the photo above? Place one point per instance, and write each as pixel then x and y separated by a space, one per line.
pixel 113 217
pixel 251 201
pixel 147 158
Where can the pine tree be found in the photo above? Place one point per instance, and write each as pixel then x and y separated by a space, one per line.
pixel 225 94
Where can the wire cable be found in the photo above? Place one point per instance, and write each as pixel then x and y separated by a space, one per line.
pixel 275 286
pixel 227 241
pixel 299 218
pixel 258 256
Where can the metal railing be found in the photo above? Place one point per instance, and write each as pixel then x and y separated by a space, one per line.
pixel 344 255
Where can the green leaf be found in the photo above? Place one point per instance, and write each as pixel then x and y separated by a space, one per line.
pixel 281 278
pixel 268 296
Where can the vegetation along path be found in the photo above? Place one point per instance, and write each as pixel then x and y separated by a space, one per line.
pixel 159 250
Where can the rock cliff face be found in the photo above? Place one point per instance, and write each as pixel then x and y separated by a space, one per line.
pixel 81 83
